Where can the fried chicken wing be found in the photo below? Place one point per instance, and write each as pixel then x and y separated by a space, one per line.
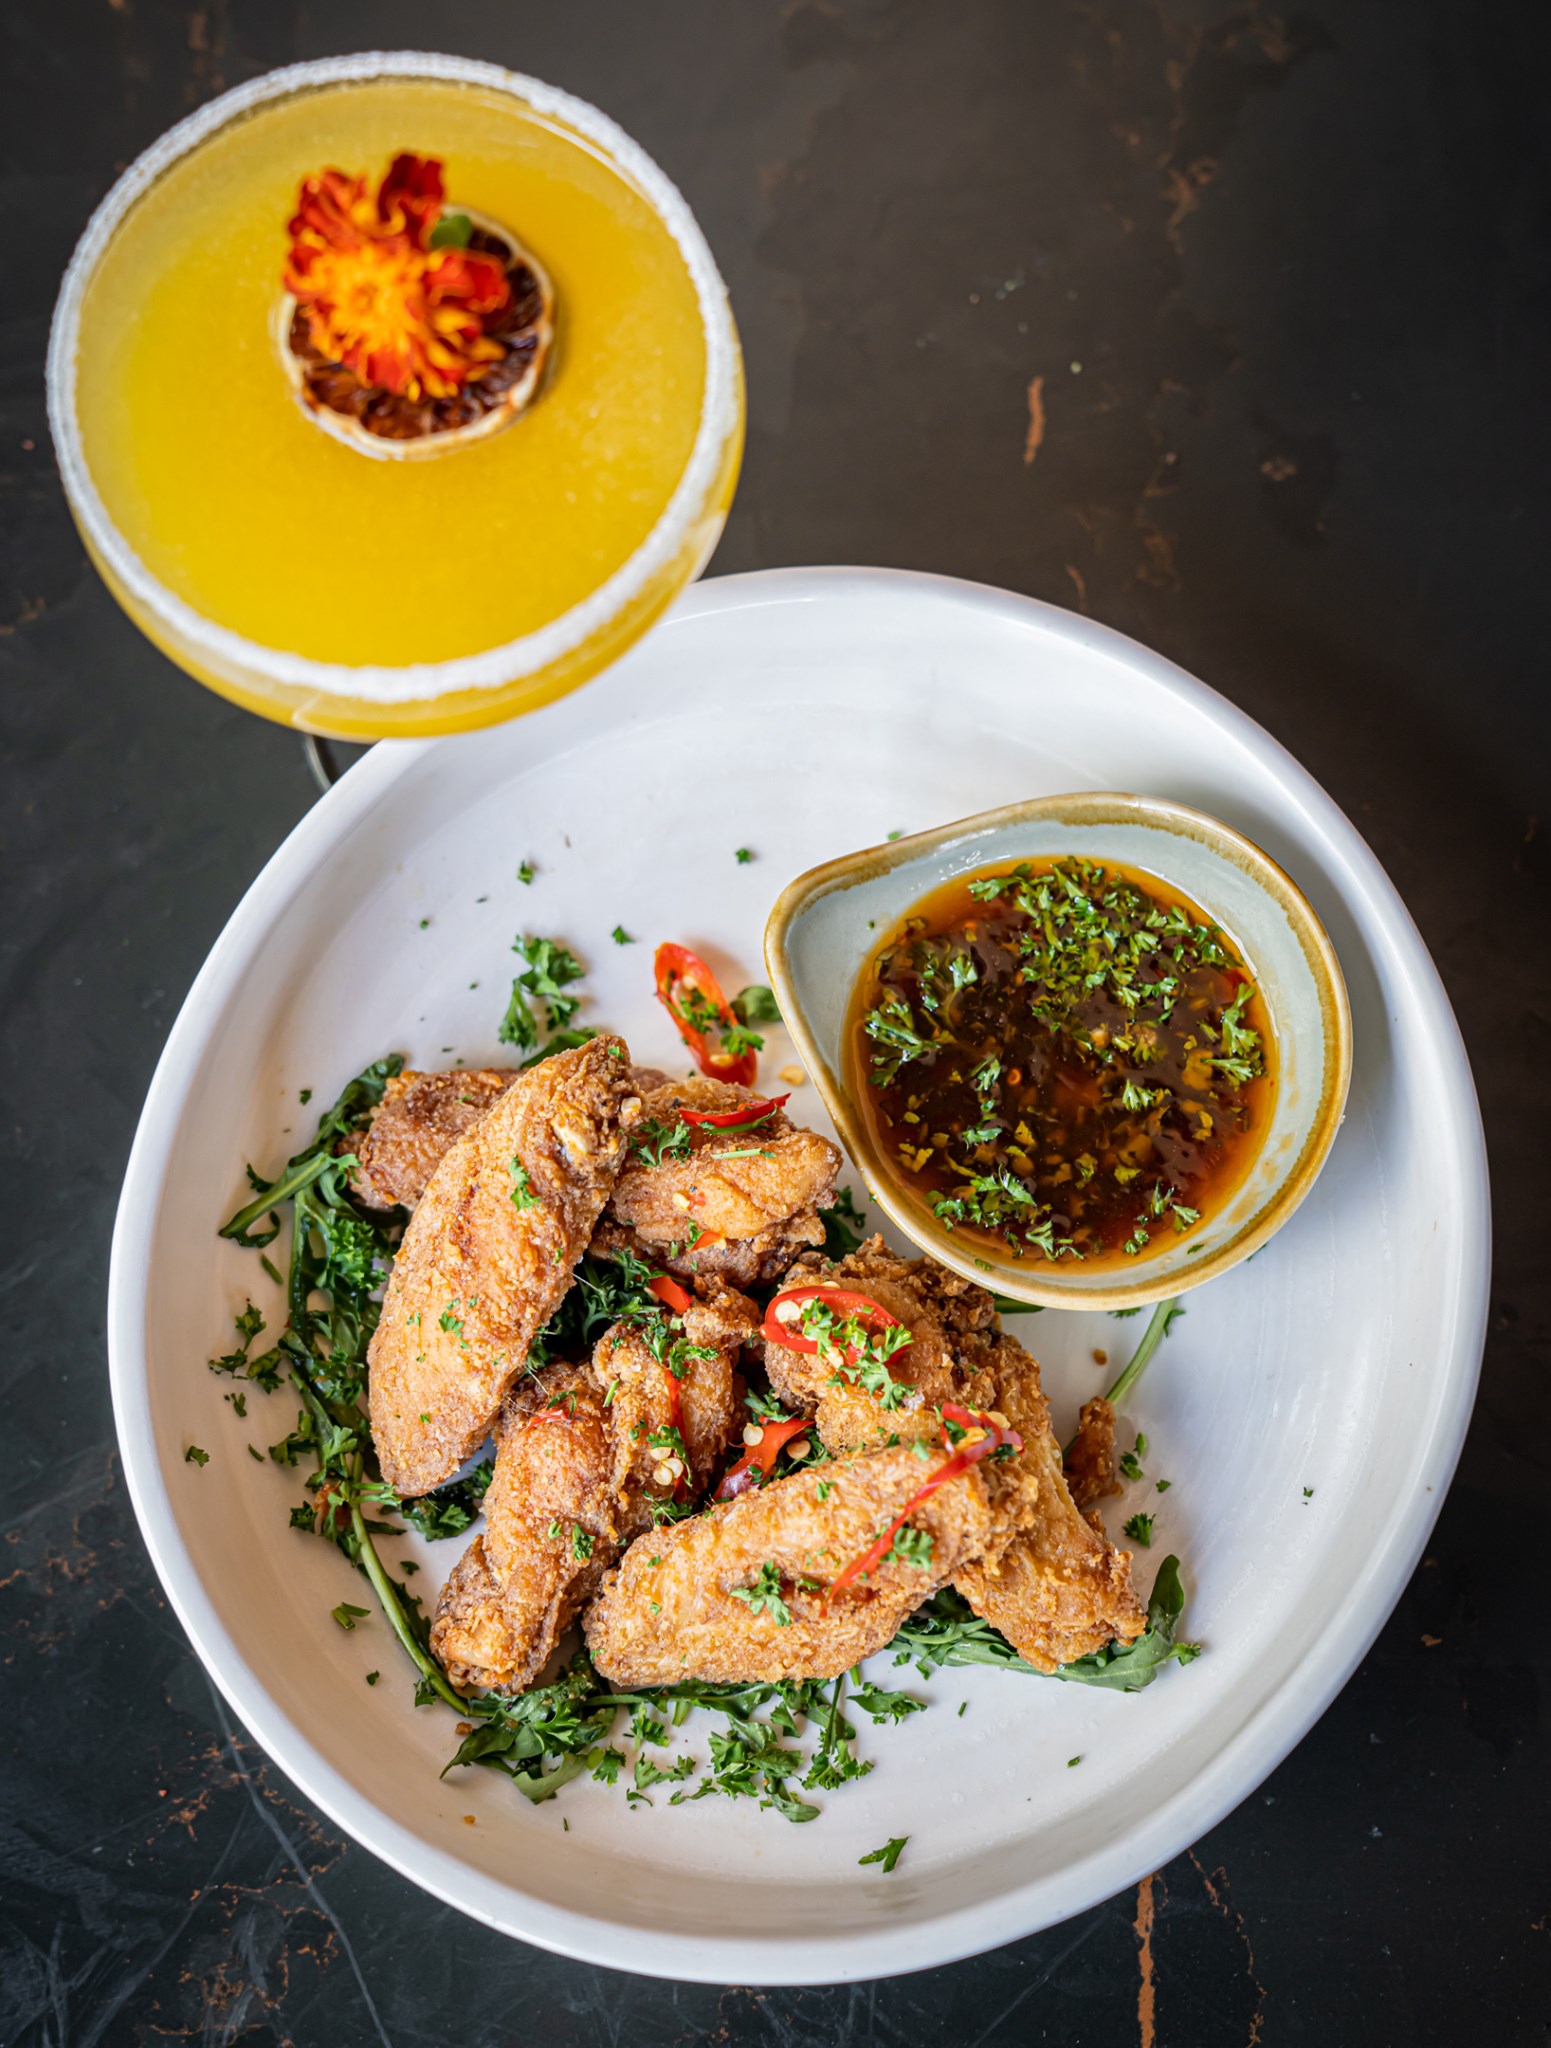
pixel 754 1195
pixel 585 1454
pixel 1060 1588
pixel 418 1121
pixel 549 1514
pixel 1091 1467
pixel 488 1256
pixel 1048 1579
pixel 939 1309
pixel 737 1595
pixel 416 1124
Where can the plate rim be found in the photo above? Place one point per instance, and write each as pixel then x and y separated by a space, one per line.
pixel 1247 1756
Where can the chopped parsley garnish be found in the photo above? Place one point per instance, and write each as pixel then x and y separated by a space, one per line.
pixel 1139 1529
pixel 195 1456
pixel 764 1596
pixel 742 856
pixel 888 1855
pixel 526 872
pixel 549 970
pixel 581 1542
pixel 856 1351
pixel 912 1547
pixel 1058 1058
pixel 523 1196
pixel 621 937
pixel 654 1139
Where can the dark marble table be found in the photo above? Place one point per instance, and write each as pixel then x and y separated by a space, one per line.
pixel 1227 328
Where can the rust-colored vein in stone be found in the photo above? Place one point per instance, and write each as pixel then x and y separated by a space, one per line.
pixel 1036 433
pixel 1146 2024
pixel 1216 1883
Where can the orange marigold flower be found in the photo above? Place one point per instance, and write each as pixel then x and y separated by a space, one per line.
pixel 378 298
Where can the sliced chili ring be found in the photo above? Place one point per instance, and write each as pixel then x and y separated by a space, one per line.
pixel 773 1438
pixel 676 968
pixel 786 1330
pixel 951 1468
pixel 741 1118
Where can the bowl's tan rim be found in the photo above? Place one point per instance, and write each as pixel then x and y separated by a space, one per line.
pixel 1084 808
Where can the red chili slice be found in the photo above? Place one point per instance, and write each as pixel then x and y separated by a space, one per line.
pixel 845 1301
pixel 742 1118
pixel 668 1292
pixel 772 1437
pixel 951 1468
pixel 677 968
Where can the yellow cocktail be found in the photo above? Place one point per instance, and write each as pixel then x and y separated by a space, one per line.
pixel 350 585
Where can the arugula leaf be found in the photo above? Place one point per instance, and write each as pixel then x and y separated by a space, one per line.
pixel 755 1004
pixel 450 1510
pixel 886 1706
pixel 946 1631
pixel 354 1105
pixel 845 1227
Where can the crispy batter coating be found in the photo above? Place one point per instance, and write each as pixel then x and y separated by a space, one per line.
pixel 1054 1585
pixel 548 1514
pixel 761 1191
pixel 1091 1470
pixel 418 1121
pixel 577 1476
pixel 1059 1589
pixel 477 1274
pixel 940 1309
pixel 671 1609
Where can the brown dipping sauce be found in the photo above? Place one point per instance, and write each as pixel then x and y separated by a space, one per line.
pixel 1065 1058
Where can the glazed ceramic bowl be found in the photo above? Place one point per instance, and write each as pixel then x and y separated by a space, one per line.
pixel 825 924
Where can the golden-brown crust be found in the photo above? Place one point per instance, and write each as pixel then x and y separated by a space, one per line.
pixel 760 1191
pixel 416 1124
pixel 941 1311
pixel 1091 1471
pixel 1054 1585
pixel 472 1635
pixel 670 1610
pixel 1058 1589
pixel 419 1120
pixel 477 1275
pixel 575 1478
pixel 547 1515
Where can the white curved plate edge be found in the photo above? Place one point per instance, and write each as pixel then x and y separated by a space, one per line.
pixel 1244 1761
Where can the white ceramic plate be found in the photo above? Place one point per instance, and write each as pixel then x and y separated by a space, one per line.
pixel 802 713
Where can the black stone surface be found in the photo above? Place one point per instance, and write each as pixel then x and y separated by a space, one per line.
pixel 1284 279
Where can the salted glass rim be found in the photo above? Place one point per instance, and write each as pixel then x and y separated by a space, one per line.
pixel 494 667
